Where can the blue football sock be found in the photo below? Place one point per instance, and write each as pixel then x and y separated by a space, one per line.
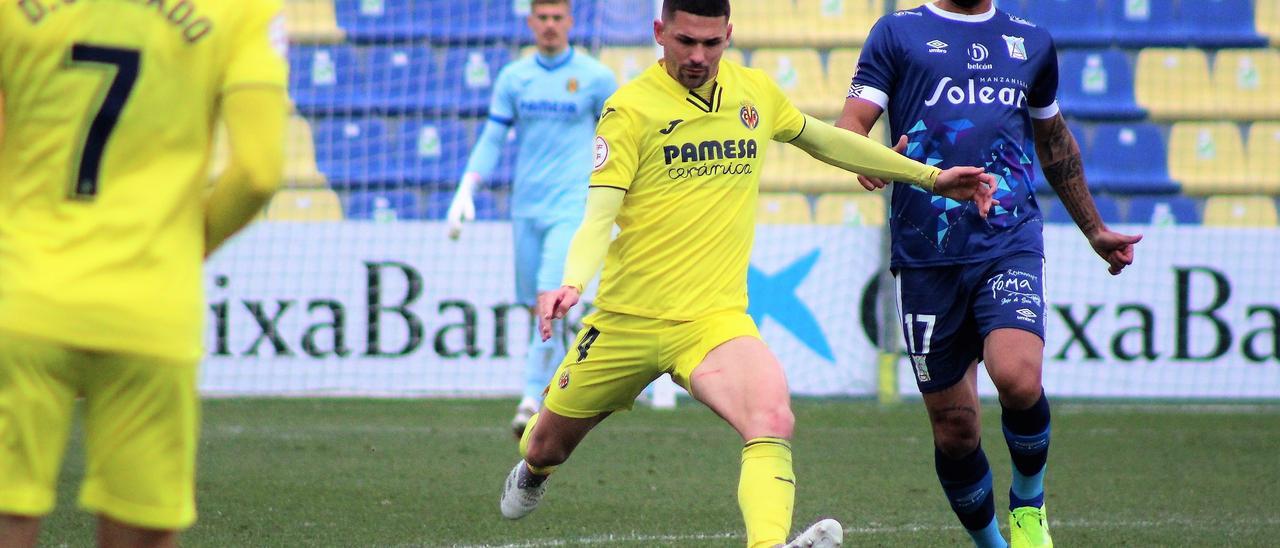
pixel 541 361
pixel 967 484
pixel 1027 433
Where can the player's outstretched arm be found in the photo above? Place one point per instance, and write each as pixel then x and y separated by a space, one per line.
pixel 255 118
pixel 481 164
pixel 586 255
pixel 1064 170
pixel 856 153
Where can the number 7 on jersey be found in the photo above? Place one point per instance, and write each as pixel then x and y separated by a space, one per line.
pixel 127 62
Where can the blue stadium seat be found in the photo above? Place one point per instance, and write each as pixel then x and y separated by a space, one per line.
pixel 1156 210
pixel 402 204
pixel 1129 159
pixel 1073 23
pixel 1082 139
pixel 1220 23
pixel 323 79
pixel 1097 84
pixel 612 22
pixel 436 21
pixel 428 152
pixel 464 84
pixel 352 152
pixel 1108 209
pixel 398 80
pixel 1146 23
pixel 489 207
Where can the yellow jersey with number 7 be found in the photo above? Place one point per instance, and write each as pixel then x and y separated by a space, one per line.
pixel 110 108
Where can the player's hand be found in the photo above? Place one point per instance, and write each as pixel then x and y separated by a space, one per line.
pixel 1115 248
pixel 875 183
pixel 554 305
pixel 461 210
pixel 965 184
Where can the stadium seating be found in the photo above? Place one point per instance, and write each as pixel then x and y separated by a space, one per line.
pixel 300 167
pixel 1073 23
pixel 1208 158
pixel 837 23
pixel 1163 210
pixel 1174 83
pixel 1264 155
pixel 765 23
pixel 1267 20
pixel 1097 84
pixel 489 206
pixel 1240 211
pixel 852 208
pixel 322 79
pixel 841 64
pixel 628 63
pixel 1144 23
pixel 305 205
pixel 465 82
pixel 620 22
pixel 396 79
pixel 1055 212
pixel 784 208
pixel 796 71
pixel 312 22
pixel 1247 82
pixel 426 152
pixel 1219 23
pixel 437 21
pixel 353 151
pixel 383 206
pixel 1128 158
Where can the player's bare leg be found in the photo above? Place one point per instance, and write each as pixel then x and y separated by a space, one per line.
pixel 959 460
pixel 18 531
pixel 743 382
pixel 1014 361
pixel 547 443
pixel 113 534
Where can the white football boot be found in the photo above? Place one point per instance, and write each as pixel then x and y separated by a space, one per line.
pixel 826 533
pixel 518 497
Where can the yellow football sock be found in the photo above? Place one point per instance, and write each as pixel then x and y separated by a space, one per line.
pixel 524 447
pixel 767 491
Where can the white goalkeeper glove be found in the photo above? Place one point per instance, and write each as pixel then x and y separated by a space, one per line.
pixel 463 207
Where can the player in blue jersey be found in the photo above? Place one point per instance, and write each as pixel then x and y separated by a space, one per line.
pixel 552 99
pixel 966 84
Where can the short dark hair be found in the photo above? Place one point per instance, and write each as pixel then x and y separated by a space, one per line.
pixel 705 8
pixel 546 2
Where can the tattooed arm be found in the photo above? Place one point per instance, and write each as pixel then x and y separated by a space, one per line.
pixel 1064 170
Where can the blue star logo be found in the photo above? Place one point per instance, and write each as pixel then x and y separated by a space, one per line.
pixel 775 296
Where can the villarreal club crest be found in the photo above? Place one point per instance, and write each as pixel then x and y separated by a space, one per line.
pixel 749 115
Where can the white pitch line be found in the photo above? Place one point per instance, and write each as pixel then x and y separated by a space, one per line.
pixel 636 538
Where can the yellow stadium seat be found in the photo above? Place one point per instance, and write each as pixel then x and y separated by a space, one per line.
pixel 910 4
pixel 312 22
pixel 799 73
pixel 1208 158
pixel 841 63
pixel 1267 15
pixel 1248 83
pixel 1264 155
pixel 1174 84
pixel 309 205
pixel 1240 211
pixel 766 23
pixel 837 23
pixel 784 209
pixel 299 154
pixel 851 208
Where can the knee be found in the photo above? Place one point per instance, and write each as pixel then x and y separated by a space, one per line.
pixel 774 421
pixel 543 452
pixel 1020 391
pixel 955 435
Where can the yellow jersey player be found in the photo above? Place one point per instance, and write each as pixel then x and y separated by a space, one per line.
pixel 678 157
pixel 104 224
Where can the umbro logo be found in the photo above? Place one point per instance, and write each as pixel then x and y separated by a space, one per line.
pixel 670 128
pixel 936 46
pixel 1026 314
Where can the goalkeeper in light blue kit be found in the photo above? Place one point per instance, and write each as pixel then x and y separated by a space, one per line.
pixel 552 99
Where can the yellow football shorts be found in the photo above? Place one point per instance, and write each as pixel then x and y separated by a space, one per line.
pixel 141 416
pixel 617 355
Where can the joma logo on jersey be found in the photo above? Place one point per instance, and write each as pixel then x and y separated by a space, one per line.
pixel 710 151
pixel 973 94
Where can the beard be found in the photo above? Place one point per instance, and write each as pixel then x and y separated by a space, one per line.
pixel 967 4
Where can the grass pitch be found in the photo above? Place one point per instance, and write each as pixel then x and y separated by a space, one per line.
pixel 428 473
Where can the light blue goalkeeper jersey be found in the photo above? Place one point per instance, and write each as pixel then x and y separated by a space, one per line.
pixel 553 105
